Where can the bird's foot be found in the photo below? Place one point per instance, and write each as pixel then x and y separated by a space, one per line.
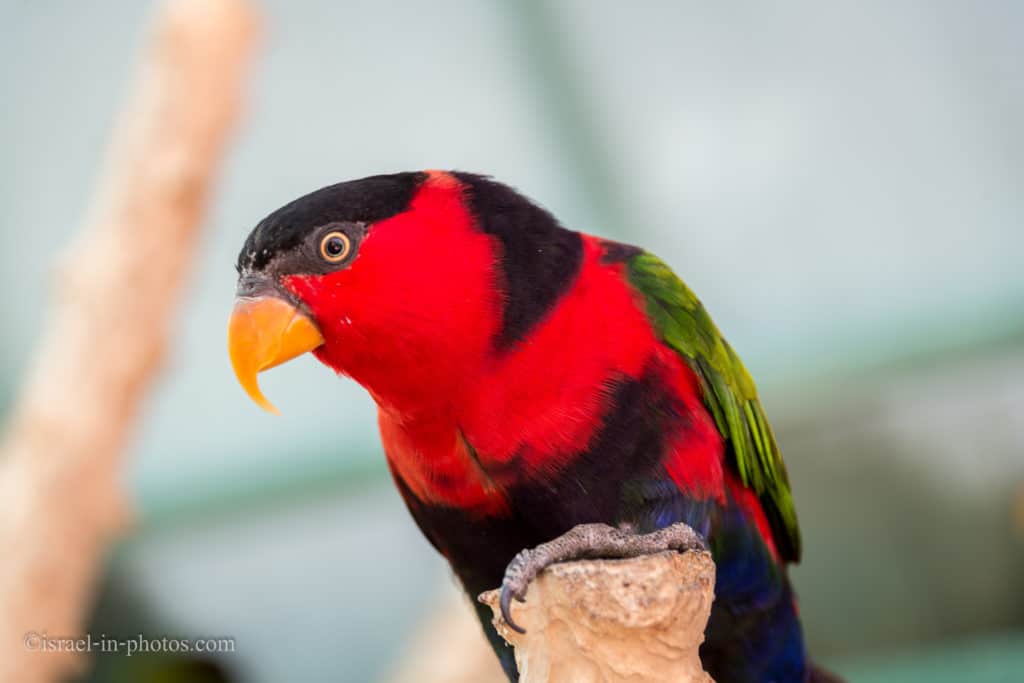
pixel 588 541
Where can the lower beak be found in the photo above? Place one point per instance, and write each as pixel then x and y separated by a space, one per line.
pixel 266 331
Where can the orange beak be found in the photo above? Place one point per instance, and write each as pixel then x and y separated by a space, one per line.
pixel 263 332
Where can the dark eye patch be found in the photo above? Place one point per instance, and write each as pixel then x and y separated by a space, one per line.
pixel 306 258
pixel 367 200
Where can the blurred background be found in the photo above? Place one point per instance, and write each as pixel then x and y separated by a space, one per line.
pixel 840 183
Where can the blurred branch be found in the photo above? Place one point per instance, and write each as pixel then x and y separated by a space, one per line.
pixel 61 502
pixel 449 648
pixel 640 620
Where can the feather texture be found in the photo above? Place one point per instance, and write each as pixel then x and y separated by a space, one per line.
pixel 727 390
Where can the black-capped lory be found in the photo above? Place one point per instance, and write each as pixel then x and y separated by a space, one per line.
pixel 530 379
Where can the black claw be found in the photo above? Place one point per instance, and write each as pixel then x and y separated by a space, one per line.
pixel 505 602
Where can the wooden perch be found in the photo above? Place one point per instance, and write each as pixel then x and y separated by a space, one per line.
pixel 61 502
pixel 639 620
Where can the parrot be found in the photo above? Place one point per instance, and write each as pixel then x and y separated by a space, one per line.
pixel 542 394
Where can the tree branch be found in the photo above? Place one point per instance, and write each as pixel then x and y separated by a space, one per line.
pixel 61 503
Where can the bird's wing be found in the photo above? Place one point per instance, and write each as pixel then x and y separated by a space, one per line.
pixel 727 391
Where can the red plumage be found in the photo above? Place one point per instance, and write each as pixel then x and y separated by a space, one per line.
pixel 537 402
pixel 523 389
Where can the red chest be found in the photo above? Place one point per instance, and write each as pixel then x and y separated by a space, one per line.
pixel 531 410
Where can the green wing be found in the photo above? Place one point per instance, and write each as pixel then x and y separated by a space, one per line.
pixel 727 390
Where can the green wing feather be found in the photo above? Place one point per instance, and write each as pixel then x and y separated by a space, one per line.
pixel 727 390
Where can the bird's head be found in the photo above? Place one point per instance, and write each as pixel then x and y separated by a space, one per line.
pixel 388 279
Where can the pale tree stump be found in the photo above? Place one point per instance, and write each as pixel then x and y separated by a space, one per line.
pixel 639 620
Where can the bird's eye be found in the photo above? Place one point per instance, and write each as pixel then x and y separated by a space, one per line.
pixel 335 247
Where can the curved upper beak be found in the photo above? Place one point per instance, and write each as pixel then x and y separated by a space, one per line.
pixel 265 331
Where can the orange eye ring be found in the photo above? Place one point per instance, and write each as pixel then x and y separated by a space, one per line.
pixel 335 247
